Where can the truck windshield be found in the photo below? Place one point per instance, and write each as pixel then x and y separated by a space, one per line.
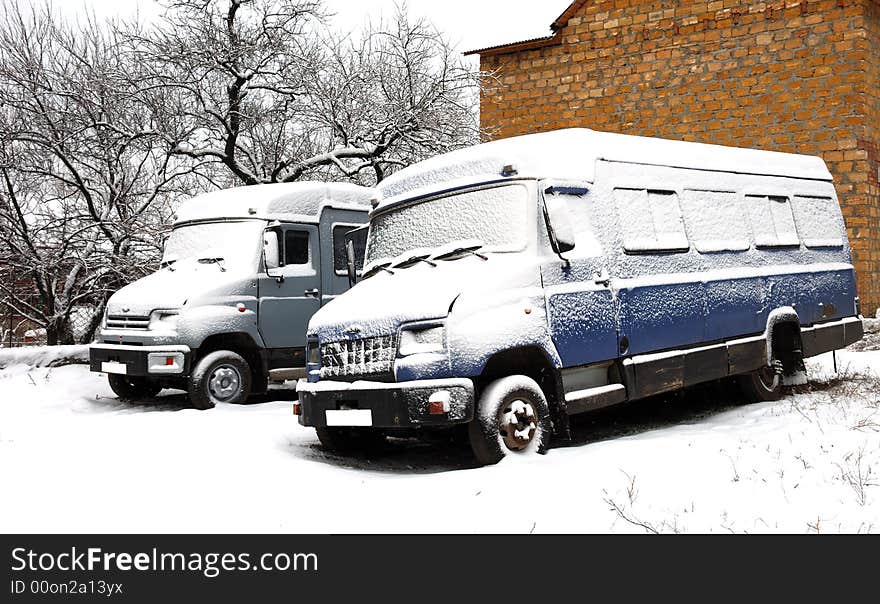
pixel 236 243
pixel 495 216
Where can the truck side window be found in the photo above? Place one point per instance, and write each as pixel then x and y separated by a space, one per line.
pixel 651 221
pixel 819 221
pixel 714 221
pixel 772 221
pixel 340 257
pixel 296 247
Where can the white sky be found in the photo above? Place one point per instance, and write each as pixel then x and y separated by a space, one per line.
pixel 468 23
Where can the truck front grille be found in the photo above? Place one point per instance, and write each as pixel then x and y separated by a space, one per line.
pixel 363 358
pixel 127 322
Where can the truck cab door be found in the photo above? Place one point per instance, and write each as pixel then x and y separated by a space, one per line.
pixel 582 306
pixel 583 314
pixel 291 293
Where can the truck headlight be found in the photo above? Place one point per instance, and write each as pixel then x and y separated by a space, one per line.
pixel 420 339
pixel 164 320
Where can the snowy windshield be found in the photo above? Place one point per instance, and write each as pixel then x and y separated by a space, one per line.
pixel 237 243
pixel 496 216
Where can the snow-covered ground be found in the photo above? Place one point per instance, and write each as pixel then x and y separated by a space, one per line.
pixel 75 459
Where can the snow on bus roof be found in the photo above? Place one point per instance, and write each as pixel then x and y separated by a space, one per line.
pixel 572 153
pixel 300 201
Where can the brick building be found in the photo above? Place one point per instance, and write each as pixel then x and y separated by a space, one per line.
pixel 795 76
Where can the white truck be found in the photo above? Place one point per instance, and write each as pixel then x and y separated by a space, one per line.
pixel 242 273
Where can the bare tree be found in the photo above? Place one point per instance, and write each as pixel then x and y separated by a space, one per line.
pixel 104 126
pixel 84 177
pixel 263 89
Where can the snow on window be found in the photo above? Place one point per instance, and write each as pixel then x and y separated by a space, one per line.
pixel 819 221
pixel 496 216
pixel 237 243
pixel 715 221
pixel 772 221
pixel 586 241
pixel 651 221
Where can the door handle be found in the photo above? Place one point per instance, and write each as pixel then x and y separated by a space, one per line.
pixel 312 293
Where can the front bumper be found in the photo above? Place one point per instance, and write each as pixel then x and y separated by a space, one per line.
pixel 135 360
pixel 395 405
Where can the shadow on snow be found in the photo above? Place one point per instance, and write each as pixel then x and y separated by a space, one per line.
pixel 692 405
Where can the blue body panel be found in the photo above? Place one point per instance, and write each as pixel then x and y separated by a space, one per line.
pixel 734 307
pixel 662 316
pixel 583 325
pixel 586 325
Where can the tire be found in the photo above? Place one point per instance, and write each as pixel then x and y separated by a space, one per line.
pixel 493 434
pixel 220 377
pixel 131 388
pixel 762 385
pixel 350 440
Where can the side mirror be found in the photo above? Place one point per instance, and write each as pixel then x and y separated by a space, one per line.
pixel 272 252
pixel 351 263
pixel 355 244
pixel 559 227
pixel 270 248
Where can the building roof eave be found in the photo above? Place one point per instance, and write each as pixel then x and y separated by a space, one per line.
pixel 529 44
pixel 532 43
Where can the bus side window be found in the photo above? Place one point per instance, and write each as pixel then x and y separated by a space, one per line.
pixel 772 221
pixel 651 221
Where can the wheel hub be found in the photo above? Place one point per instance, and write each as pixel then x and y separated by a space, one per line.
pixel 517 424
pixel 224 383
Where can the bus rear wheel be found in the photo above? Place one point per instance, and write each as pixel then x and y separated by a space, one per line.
pixel 762 385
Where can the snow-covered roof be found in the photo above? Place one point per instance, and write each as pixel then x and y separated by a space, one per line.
pixel 571 154
pixel 297 201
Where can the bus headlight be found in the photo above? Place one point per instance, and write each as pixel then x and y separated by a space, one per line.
pixel 421 339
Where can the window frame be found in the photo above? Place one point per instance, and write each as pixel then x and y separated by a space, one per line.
pixel 655 250
pixel 812 242
pixel 333 226
pixel 309 258
pixel 771 197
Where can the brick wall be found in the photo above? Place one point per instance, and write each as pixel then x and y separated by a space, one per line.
pixel 797 76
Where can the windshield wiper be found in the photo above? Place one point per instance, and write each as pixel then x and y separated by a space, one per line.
pixel 379 267
pixel 167 264
pixel 217 260
pixel 465 249
pixel 412 260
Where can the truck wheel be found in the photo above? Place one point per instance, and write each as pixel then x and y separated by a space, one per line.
pixel 220 377
pixel 131 388
pixel 765 384
pixel 512 419
pixel 350 440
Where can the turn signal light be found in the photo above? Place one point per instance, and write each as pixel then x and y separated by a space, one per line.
pixel 169 361
pixel 297 409
pixel 438 403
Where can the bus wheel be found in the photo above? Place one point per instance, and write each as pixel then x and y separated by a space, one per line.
pixel 765 384
pixel 221 377
pixel 512 419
